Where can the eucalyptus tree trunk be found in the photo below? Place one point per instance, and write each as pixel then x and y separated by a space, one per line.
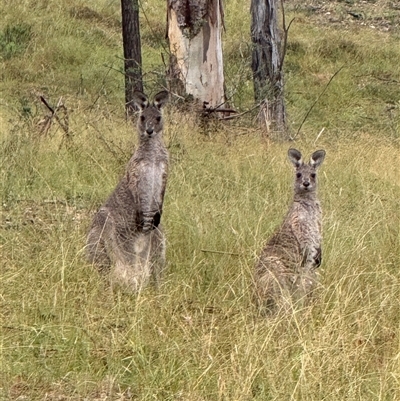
pixel 194 34
pixel 267 60
pixel 132 51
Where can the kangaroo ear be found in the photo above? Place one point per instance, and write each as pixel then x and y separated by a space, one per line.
pixel 317 158
pixel 140 100
pixel 160 99
pixel 295 157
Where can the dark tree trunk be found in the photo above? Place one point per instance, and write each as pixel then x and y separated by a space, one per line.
pixel 132 50
pixel 267 66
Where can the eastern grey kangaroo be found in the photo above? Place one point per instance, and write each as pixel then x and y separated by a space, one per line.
pixel 126 239
pixel 286 270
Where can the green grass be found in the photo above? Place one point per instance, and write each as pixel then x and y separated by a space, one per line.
pixel 64 336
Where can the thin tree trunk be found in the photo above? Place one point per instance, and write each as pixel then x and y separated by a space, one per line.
pixel 194 34
pixel 267 66
pixel 132 51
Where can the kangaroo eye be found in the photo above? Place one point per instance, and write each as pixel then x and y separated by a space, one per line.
pixel 313 175
pixel 142 118
pixel 158 118
pixel 298 175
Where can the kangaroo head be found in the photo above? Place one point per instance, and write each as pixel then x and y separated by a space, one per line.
pixel 150 122
pixel 305 173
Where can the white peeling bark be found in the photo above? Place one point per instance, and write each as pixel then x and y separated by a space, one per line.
pixel 196 46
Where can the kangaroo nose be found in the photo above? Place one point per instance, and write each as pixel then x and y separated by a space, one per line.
pixel 149 130
pixel 306 183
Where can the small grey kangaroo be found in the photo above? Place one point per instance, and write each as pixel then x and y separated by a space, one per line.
pixel 126 239
pixel 285 273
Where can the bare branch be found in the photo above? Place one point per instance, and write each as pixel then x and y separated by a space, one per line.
pixel 220 252
pixel 243 113
pixel 46 104
pixel 60 106
pixel 316 101
pixel 285 35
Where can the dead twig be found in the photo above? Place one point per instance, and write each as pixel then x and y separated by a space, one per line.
pixel 207 111
pixel 243 113
pixel 64 123
pixel 315 102
pixel 285 36
pixel 220 252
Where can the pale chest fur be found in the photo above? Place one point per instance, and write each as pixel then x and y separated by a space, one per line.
pixel 305 221
pixel 153 177
pixel 147 172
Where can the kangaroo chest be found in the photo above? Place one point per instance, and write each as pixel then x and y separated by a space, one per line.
pixel 152 177
pixel 306 224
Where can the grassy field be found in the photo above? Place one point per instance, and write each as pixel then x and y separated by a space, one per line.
pixel 64 336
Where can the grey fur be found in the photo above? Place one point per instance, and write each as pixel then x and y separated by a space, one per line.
pixel 286 270
pixel 126 239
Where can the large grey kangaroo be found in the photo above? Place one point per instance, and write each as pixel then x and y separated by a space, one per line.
pixel 126 239
pixel 285 273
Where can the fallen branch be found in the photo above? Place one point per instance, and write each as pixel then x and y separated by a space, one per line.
pixel 48 121
pixel 315 102
pixel 243 113
pixel 220 252
pixel 209 110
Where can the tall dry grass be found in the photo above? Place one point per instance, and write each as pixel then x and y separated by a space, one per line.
pixel 64 336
